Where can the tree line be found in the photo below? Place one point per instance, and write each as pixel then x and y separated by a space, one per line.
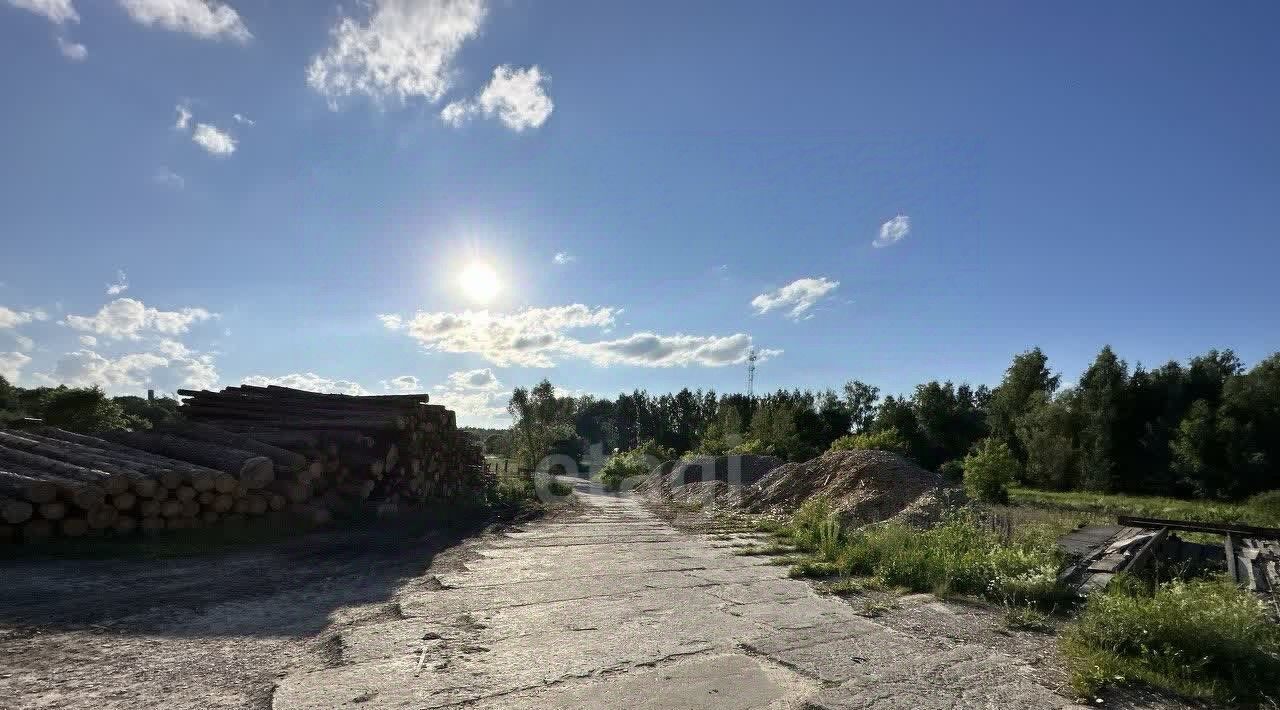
pixel 83 409
pixel 1209 428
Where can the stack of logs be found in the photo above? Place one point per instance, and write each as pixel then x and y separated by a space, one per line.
pixel 245 451
pixel 389 448
pixel 57 483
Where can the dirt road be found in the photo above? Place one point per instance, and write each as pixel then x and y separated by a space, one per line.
pixel 608 607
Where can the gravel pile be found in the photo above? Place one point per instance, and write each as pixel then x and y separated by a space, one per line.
pixel 863 486
pixel 703 476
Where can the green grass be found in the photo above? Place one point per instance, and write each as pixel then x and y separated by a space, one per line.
pixel 1026 618
pixel 1204 639
pixel 958 556
pixel 1258 512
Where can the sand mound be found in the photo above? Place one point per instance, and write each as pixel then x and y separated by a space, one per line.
pixel 863 486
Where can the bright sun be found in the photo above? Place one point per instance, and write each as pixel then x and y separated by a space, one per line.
pixel 480 282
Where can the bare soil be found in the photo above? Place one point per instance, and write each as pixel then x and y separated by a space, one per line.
pixel 211 631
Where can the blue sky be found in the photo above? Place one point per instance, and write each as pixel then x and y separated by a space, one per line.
pixel 291 191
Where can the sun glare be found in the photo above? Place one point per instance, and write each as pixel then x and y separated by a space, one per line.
pixel 479 282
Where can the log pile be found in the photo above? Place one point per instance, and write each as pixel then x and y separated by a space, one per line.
pixel 55 483
pixel 393 449
pixel 239 453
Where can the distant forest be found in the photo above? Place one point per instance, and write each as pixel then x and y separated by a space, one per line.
pixel 1206 429
pixel 83 409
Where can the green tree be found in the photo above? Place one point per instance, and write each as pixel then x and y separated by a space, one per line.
pixel 83 410
pixel 1028 375
pixel 988 471
pixel 1045 431
pixel 861 400
pixel 1098 400
pixel 539 420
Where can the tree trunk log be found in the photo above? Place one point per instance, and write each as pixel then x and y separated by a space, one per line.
pixel 37 529
pixel 14 511
pixel 73 527
pixel 109 482
pixel 253 470
pixel 34 490
pixel 287 460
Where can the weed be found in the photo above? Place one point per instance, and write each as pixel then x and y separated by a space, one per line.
pixel 814 568
pixel 1026 618
pixel 1203 639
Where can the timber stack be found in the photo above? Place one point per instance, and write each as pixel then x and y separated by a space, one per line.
pixel 56 483
pixel 240 453
pixel 392 449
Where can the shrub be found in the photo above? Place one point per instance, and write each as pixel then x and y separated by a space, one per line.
pixel 952 470
pixel 1202 638
pixel 988 471
pixel 633 464
pixel 750 447
pixel 885 440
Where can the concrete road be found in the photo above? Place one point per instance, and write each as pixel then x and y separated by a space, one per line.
pixel 615 608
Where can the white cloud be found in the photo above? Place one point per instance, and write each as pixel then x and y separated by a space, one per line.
pixel 564 257
pixel 213 139
pixel 799 296
pixel 207 19
pixel 120 286
pixel 456 113
pixel 74 51
pixel 11 365
pixel 482 379
pixel 88 341
pixel 25 344
pixel 129 318
pixel 404 49
pixel 403 383
pixel 537 337
pixel 893 231
pixel 168 178
pixel 11 319
pixel 184 117
pixel 391 321
pixel 474 407
pixel 652 350
pixel 86 368
pixel 309 381
pixel 57 11
pixel 240 118
pixel 518 97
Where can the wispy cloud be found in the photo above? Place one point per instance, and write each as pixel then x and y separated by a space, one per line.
pixel 74 51
pixel 518 97
pixel 56 11
pixel 130 318
pixel 309 381
pixel 564 257
pixel 893 231
pixel 241 118
pixel 184 117
pixel 213 139
pixel 11 365
pixel 402 49
pixel 799 297
pixel 120 286
pixel 207 19
pixel 539 337
pixel 166 177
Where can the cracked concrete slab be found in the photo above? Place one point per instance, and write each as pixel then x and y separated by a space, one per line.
pixel 616 608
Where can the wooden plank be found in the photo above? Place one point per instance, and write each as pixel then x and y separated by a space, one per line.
pixel 1189 526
